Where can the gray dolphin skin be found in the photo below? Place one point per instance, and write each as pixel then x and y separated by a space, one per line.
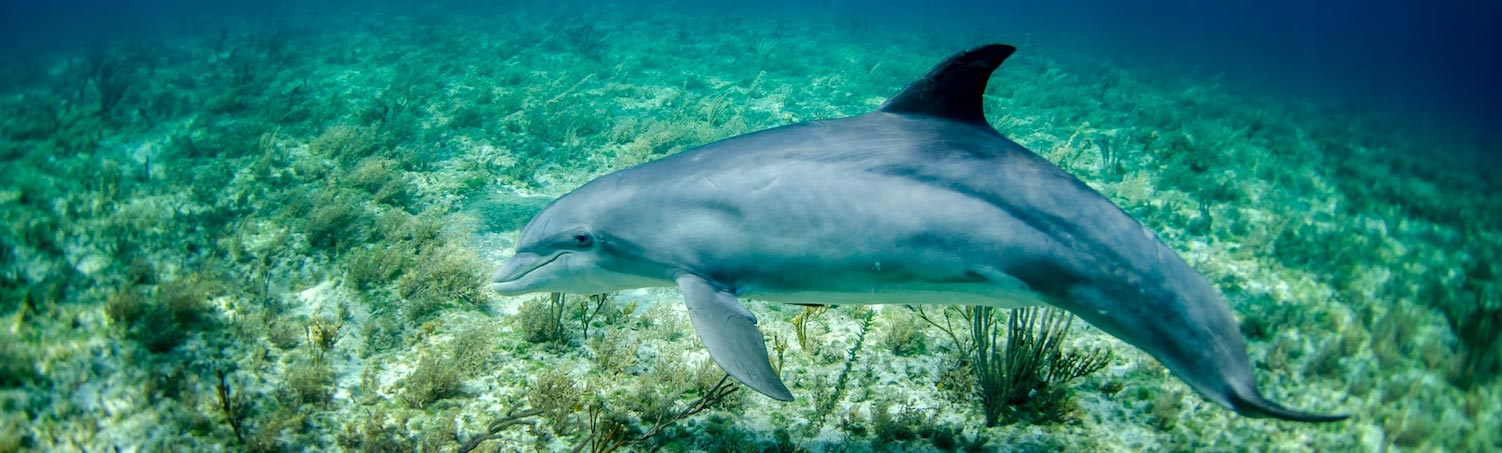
pixel 918 202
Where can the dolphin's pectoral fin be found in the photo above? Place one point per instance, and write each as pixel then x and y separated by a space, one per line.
pixel 729 332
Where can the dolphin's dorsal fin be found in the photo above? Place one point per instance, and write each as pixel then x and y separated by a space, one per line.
pixel 953 89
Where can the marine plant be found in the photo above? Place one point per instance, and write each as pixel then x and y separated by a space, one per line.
pixel 338 222
pixel 903 335
pixel 161 323
pixel 494 429
pixel 614 351
pixel 233 406
pixel 555 395
pixel 111 76
pixel 1164 412
pixel 807 340
pixel 1030 373
pixel 17 367
pixel 433 379
pixel 541 319
pixel 444 276
pixel 310 379
pixel 1475 317
pixel 713 397
pixel 825 402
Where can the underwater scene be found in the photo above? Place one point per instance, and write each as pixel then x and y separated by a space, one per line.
pixel 309 226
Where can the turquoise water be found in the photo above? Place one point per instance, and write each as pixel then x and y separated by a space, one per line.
pixel 272 228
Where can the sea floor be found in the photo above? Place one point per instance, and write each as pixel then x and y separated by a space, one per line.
pixel 276 235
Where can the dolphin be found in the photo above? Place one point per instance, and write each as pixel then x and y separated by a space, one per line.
pixel 918 202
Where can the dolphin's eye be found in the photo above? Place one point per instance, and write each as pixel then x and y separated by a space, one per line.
pixel 583 240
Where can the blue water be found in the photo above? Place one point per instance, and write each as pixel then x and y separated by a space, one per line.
pixel 1437 63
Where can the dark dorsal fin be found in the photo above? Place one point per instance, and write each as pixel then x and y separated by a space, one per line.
pixel 952 89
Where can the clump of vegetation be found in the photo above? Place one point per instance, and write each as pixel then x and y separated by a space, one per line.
pixel 310 380
pixel 382 179
pixel 807 335
pixel 232 405
pixel 112 77
pixel 903 335
pixel 473 351
pixel 346 143
pixel 439 373
pixel 900 425
pixel 1481 334
pixel 1030 373
pixel 442 276
pixel 541 319
pixel 17 366
pixel 180 307
pixel 336 223
pixel 613 351
pixel 433 379
pixel 556 395
pixel 1476 319
pixel 1166 407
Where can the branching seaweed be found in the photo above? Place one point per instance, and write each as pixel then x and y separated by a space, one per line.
pixel 826 404
pixel 111 76
pixel 716 396
pixel 541 319
pixel 495 428
pixel 232 408
pixel 1480 333
pixel 954 319
pixel 800 324
pixel 1030 372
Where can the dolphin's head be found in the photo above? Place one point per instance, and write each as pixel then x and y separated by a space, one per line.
pixel 568 248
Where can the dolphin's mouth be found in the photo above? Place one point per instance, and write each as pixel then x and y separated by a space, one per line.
pixel 510 278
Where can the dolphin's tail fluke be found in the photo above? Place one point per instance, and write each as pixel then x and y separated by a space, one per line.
pixel 1254 405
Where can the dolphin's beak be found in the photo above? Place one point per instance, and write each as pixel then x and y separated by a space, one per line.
pixel 512 278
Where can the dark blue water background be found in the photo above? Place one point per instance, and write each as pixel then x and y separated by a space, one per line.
pixel 1432 66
